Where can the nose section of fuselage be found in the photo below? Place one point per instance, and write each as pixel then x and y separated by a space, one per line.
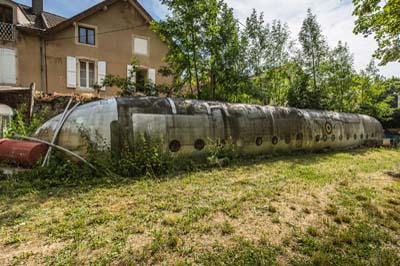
pixel 89 122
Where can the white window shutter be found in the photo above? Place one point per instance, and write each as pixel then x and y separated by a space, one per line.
pixel 129 74
pixel 101 73
pixel 71 72
pixel 152 75
pixel 9 65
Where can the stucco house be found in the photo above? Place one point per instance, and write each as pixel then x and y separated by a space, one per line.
pixel 70 56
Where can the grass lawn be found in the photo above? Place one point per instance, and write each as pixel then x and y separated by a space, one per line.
pixel 336 208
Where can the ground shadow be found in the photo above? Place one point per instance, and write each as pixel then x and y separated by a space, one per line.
pixel 13 190
pixel 31 192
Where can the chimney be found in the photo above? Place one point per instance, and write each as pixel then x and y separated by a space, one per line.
pixel 37 7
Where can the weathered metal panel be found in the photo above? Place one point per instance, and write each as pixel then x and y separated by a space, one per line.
pixel 186 126
pixel 91 120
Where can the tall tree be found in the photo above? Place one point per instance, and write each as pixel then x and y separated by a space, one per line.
pixel 205 46
pixel 339 70
pixel 268 52
pixel 277 58
pixel 257 36
pixel 380 19
pixel 182 31
pixel 224 46
pixel 314 50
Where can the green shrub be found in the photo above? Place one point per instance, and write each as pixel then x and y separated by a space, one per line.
pixel 220 152
pixel 23 126
pixel 148 158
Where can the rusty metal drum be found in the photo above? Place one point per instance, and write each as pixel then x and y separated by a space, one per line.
pixel 22 153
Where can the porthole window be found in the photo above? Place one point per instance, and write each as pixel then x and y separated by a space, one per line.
pixel 355 136
pixel 373 135
pixel 199 144
pixel 333 137
pixel 317 138
pixel 174 146
pixel 367 136
pixel 259 141
pixel 275 140
pixel 348 137
pixel 325 138
pixel 287 139
pixel 362 136
pixel 341 137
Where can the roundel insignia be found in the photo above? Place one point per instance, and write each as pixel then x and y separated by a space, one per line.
pixel 328 128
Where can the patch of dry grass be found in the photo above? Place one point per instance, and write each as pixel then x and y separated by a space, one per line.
pixel 316 209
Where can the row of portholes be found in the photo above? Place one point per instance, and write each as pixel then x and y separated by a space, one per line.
pixel 199 144
pixel 299 137
pixel 175 145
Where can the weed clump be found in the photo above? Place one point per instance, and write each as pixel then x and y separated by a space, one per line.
pixel 22 126
pixel 227 228
pixel 150 159
pixel 243 253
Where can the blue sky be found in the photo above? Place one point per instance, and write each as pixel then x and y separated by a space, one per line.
pixel 335 16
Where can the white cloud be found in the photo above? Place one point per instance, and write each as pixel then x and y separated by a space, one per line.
pixel 335 17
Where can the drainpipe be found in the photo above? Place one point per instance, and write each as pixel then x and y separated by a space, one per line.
pixel 43 65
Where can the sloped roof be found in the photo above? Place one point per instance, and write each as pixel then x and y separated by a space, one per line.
pixel 96 8
pixel 53 19
pixel 50 22
pixel 41 22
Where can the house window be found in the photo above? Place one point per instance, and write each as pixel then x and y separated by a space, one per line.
pixel 6 14
pixel 86 74
pixel 141 46
pixel 87 35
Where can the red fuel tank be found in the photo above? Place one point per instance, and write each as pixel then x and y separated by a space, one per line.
pixel 23 153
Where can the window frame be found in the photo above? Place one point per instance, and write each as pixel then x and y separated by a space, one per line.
pixel 87 40
pixel 143 38
pixel 87 28
pixel 3 9
pixel 87 73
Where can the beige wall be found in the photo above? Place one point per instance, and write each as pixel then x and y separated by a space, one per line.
pixel 28 60
pixel 27 48
pixel 113 45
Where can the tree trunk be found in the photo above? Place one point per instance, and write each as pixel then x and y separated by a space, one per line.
pixel 190 74
pixel 212 83
pixel 195 63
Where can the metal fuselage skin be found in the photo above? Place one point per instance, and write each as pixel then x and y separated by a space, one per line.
pixel 186 125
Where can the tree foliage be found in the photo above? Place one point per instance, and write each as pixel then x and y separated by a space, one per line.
pixel 339 74
pixel 205 47
pixel 213 56
pixel 313 53
pixel 380 19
